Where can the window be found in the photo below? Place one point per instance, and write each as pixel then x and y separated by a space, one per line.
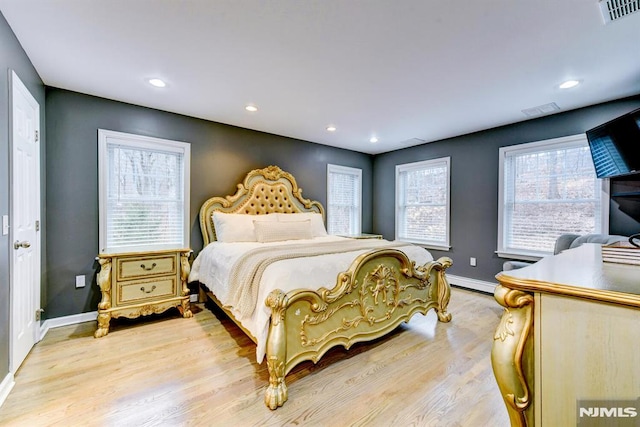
pixel 548 188
pixel 344 200
pixel 143 192
pixel 422 202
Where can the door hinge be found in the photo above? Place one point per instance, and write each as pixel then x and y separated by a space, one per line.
pixel 37 225
pixel 39 314
pixel 37 136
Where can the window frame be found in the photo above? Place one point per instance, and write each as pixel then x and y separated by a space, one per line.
pixel 357 210
pixel 105 138
pixel 424 164
pixel 579 140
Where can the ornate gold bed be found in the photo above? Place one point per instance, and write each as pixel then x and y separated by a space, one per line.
pixel 378 290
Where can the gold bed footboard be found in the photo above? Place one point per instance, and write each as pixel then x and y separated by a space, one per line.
pixel 380 290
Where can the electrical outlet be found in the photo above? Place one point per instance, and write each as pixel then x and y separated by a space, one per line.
pixel 79 281
pixel 193 298
pixel 472 261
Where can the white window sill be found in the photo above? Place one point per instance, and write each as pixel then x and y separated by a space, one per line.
pixel 427 245
pixel 522 256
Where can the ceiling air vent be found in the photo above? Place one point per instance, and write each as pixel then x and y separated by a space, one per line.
pixel 541 110
pixel 616 9
pixel 413 141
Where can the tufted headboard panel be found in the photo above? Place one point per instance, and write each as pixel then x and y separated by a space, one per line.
pixel 263 191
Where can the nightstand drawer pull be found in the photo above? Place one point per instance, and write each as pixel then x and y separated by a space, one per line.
pixel 153 288
pixel 142 266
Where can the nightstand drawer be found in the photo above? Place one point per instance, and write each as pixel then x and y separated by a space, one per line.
pixel 132 268
pixel 141 290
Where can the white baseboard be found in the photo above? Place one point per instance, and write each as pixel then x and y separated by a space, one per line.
pixel 5 387
pixel 474 284
pixel 91 316
pixel 66 320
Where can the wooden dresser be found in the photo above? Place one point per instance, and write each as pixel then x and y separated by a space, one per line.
pixel 142 283
pixel 568 345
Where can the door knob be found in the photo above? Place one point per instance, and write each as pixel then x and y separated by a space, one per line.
pixel 17 245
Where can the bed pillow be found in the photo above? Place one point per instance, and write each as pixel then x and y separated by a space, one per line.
pixel 279 231
pixel 238 227
pixel 317 224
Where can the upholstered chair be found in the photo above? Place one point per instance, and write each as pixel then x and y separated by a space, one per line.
pixel 570 241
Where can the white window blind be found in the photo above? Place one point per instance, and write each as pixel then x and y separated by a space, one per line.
pixel 144 193
pixel 548 188
pixel 422 208
pixel 344 200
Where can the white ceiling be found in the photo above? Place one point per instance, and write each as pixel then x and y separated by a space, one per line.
pixel 396 69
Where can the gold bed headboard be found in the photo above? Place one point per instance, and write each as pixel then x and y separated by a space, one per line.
pixel 263 191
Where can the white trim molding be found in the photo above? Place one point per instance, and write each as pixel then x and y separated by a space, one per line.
pixel 355 209
pixel 111 145
pixel 432 203
pixel 5 387
pixel 73 319
pixel 528 248
pixel 474 284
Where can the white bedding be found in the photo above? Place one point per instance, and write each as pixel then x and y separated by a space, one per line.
pixel 213 265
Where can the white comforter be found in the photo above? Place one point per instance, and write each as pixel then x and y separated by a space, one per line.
pixel 213 265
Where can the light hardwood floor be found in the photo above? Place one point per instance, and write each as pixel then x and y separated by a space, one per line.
pixel 170 371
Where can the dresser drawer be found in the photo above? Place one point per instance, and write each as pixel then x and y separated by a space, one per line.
pixel 135 267
pixel 140 290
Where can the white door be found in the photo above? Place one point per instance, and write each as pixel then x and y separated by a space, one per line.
pixel 24 222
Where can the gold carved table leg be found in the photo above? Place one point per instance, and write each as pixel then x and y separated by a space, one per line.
pixel 104 281
pixel 185 269
pixel 512 349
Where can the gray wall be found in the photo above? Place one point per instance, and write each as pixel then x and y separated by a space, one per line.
pixel 220 157
pixel 12 57
pixel 474 183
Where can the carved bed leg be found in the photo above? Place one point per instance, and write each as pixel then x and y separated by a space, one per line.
pixel 276 394
pixel 508 350
pixel 202 295
pixel 444 289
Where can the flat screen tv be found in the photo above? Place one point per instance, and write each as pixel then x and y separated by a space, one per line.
pixel 615 146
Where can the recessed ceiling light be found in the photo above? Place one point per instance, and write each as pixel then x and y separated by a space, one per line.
pixel 569 84
pixel 157 82
pixel 373 139
pixel 251 108
pixel 331 128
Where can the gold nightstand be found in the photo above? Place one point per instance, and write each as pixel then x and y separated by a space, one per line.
pixel 142 283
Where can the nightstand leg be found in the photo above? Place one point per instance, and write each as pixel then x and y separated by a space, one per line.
pixel 185 309
pixel 103 325
pixel 185 268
